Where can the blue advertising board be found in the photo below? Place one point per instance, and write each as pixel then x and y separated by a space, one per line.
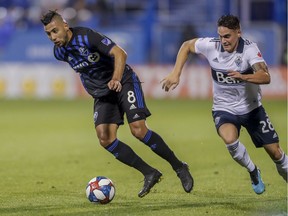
pixel 34 46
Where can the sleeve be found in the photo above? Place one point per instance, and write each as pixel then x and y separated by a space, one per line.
pixel 99 42
pixel 254 55
pixel 59 54
pixel 201 46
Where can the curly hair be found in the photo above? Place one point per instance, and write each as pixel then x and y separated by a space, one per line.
pixel 47 18
pixel 229 21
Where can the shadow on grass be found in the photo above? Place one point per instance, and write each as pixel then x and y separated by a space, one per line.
pixel 161 207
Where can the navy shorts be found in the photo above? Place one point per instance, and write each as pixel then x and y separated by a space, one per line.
pixel 130 100
pixel 256 122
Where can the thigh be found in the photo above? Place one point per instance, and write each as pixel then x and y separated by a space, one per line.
pixel 132 101
pixel 259 127
pixel 223 117
pixel 228 132
pixel 227 125
pixel 107 111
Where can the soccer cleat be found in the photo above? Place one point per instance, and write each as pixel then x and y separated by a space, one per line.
pixel 149 181
pixel 257 183
pixel 185 177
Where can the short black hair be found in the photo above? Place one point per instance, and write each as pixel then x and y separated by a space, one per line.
pixel 229 21
pixel 47 18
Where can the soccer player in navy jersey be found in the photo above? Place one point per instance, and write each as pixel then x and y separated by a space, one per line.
pixel 116 89
pixel 238 69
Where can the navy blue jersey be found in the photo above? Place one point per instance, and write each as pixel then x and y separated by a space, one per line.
pixel 88 54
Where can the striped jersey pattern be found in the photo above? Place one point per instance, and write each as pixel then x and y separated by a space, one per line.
pixel 88 54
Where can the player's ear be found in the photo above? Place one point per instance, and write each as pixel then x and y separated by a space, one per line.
pixel 239 33
pixel 66 26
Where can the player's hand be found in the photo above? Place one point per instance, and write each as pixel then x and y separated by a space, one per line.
pixel 236 75
pixel 115 85
pixel 170 81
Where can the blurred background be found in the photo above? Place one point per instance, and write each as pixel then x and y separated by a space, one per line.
pixel 151 31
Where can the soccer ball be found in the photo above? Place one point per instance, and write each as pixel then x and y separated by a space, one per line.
pixel 100 190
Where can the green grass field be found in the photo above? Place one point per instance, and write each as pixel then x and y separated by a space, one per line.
pixel 49 151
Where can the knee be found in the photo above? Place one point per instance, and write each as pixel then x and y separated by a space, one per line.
pixel 274 151
pixel 229 140
pixel 276 155
pixel 104 138
pixel 228 133
pixel 138 130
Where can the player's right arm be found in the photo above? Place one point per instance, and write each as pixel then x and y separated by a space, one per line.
pixel 173 79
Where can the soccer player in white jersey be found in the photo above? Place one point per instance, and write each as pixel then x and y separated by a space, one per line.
pixel 237 71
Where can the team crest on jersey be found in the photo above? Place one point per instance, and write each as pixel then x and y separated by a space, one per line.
pixel 94 57
pixel 106 41
pixel 238 61
pixel 83 51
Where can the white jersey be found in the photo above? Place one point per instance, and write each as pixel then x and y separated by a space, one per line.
pixel 234 96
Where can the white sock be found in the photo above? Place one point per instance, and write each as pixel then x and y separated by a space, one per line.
pixel 238 152
pixel 282 166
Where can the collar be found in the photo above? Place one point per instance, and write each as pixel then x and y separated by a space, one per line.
pixel 240 46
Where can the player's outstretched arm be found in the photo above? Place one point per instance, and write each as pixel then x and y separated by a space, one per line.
pixel 173 79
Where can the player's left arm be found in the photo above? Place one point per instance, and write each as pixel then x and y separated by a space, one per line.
pixel 255 60
pixel 105 45
pixel 260 76
pixel 120 57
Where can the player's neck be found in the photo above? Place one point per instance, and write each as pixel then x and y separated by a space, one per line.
pixel 69 36
pixel 236 46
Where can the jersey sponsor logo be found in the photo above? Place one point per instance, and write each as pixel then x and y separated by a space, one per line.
pixel 83 51
pixel 238 61
pixel 275 135
pixel 223 78
pixel 81 65
pixel 94 57
pixel 106 41
pixel 70 58
pixel 215 60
